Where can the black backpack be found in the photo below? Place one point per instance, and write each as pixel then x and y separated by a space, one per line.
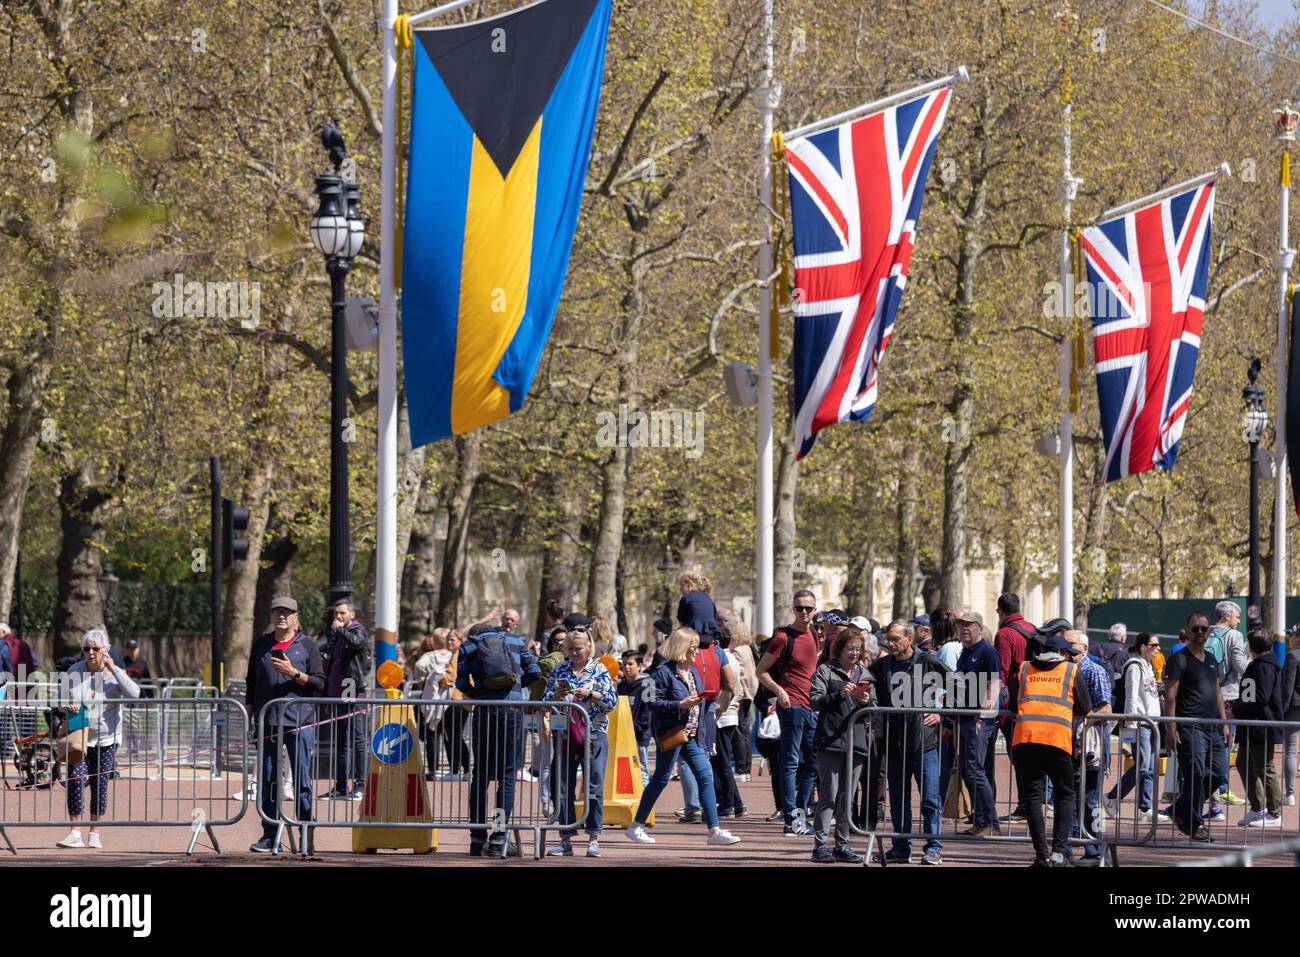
pixel 1117 690
pixel 496 665
pixel 1033 644
pixel 764 697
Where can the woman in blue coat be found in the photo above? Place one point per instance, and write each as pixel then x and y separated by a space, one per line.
pixel 675 713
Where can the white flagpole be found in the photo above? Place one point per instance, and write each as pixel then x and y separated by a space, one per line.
pixel 1065 507
pixel 960 75
pixel 764 584
pixel 387 570
pixel 1223 170
pixel 386 506
pixel 1281 500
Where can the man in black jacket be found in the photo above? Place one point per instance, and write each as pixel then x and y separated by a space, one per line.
pixel 1262 698
pixel 284 663
pixel 910 678
pixel 346 657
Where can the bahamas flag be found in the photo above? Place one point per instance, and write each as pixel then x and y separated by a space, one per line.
pixel 502 117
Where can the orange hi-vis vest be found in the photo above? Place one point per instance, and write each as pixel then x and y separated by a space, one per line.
pixel 1045 714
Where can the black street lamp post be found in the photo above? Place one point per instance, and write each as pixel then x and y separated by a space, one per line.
pixel 1254 421
pixel 338 232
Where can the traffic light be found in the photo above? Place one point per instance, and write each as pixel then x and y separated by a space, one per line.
pixel 233 519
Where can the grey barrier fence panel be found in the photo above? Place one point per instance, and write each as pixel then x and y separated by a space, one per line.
pixel 903 787
pixel 897 783
pixel 522 744
pixel 1223 757
pixel 187 794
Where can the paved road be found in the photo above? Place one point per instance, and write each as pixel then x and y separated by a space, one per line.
pixel 677 844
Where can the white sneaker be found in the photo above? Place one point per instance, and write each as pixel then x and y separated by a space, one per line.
pixel 1161 816
pixel 92 839
pixel 1249 818
pixel 720 837
pixel 286 792
pixel 1267 820
pixel 639 835
pixel 1289 800
pixel 72 840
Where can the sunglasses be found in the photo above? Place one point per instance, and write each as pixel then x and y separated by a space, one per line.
pixel 806 609
pixel 1197 629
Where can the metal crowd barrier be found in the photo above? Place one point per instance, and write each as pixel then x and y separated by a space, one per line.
pixel 187 792
pixel 1193 795
pixel 894 795
pixel 489 745
pixel 1103 762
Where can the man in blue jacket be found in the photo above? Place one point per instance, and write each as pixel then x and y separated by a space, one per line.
pixel 483 673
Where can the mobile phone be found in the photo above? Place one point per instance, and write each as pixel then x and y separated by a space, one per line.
pixel 278 653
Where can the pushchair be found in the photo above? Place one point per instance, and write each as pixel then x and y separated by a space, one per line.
pixel 36 757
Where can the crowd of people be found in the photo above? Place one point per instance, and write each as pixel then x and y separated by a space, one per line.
pixel 853 719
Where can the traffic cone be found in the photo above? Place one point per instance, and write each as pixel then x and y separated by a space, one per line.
pixel 395 789
pixel 623 785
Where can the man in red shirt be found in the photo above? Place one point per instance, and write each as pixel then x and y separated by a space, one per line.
pixel 786 669
pixel 1009 643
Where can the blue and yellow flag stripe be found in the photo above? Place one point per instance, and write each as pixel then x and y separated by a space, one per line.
pixel 503 114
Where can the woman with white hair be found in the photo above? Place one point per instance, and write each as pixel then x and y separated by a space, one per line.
pixel 95 683
pixel 584 681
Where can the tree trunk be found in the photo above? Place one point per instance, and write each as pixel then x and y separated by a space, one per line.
pixel 459 511
pixel 410 488
pixel 905 561
pixel 783 533
pixel 419 572
pixel 241 581
pixel 80 546
pixel 620 609
pixel 953 582
pixel 1013 563
pixel 856 591
pixel 17 452
pixel 274 576
pixel 601 589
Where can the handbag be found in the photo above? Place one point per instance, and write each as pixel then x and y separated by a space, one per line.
pixel 956 804
pixel 672 739
pixel 770 729
pixel 576 731
pixel 70 747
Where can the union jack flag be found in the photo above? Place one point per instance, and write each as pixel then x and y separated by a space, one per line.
pixel 855 194
pixel 1147 272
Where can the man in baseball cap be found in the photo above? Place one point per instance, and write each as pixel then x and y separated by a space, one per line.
pixel 981 687
pixel 284 663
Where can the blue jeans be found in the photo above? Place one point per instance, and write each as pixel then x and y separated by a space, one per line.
pixel 798 760
pixel 643 753
pixel 690 787
pixel 300 745
pixel 1143 771
pixel 924 769
pixel 497 734
pixel 977 739
pixel 1091 801
pixel 693 755
pixel 593 782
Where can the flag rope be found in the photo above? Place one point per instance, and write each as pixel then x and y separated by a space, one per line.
pixel 781 294
pixel 405 43
pixel 1074 325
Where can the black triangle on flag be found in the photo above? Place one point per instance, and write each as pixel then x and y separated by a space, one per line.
pixel 1293 406
pixel 502 70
